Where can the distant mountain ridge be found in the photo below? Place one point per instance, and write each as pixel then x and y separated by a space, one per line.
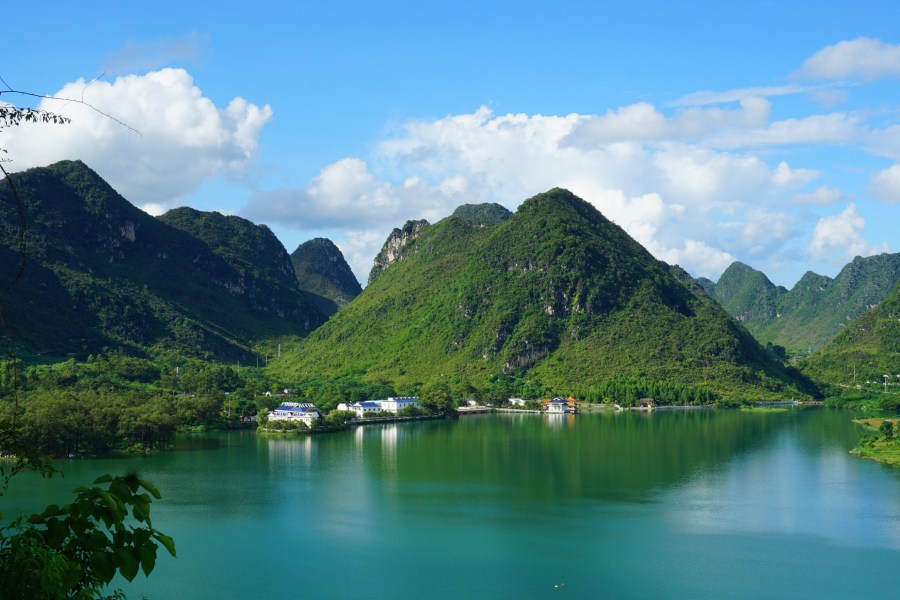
pixel 324 275
pixel 867 348
pixel 812 312
pixel 103 273
pixel 556 290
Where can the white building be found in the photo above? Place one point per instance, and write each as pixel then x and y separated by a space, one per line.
pixel 295 411
pixel 395 405
pixel 557 405
pixel 519 401
pixel 362 408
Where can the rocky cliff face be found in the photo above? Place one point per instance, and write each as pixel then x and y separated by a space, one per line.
pixel 324 275
pixel 394 247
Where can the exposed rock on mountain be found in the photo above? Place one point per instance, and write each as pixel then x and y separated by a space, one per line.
pixel 393 249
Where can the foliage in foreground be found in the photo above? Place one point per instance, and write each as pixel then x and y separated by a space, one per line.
pixel 74 551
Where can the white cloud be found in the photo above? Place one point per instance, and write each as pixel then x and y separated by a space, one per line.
pixel 709 97
pixel 885 185
pixel 152 208
pixel 762 233
pixel 821 196
pixel 642 122
pixel 863 58
pixel 144 56
pixel 184 137
pixel 347 195
pixel 842 231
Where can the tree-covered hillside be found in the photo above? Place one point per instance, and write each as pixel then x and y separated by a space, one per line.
pixel 485 213
pixel 102 273
pixel 815 309
pixel 557 291
pixel 324 275
pixel 870 344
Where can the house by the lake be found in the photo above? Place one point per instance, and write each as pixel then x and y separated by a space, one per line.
pixel 362 408
pixel 395 405
pixel 519 401
pixel 557 405
pixel 648 403
pixel 295 411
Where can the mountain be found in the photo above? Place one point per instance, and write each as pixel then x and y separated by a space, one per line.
pixel 103 273
pixel 556 291
pixel 870 343
pixel 324 275
pixel 481 214
pixel 815 309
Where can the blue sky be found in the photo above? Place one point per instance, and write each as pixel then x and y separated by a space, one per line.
pixel 346 119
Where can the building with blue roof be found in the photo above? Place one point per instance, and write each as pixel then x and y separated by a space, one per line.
pixel 395 405
pixel 295 411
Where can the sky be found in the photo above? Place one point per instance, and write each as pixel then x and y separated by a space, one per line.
pixel 711 132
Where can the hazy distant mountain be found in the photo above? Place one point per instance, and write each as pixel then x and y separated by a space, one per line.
pixel 556 290
pixel 815 309
pixel 101 272
pixel 324 275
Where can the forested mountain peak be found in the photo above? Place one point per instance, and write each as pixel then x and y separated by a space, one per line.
pixel 815 309
pixel 324 275
pixel 103 273
pixel 482 214
pixel 557 291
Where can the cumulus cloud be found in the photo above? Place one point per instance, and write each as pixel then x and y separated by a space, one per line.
pixel 863 58
pixel 842 232
pixel 821 196
pixel 347 195
pixel 885 185
pixel 666 193
pixel 143 56
pixel 184 137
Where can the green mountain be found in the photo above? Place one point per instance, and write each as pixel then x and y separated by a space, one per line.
pixel 815 309
pixel 482 213
pixel 557 292
pixel 103 273
pixel 870 343
pixel 324 275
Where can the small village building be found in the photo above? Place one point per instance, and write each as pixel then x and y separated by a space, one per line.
pixel 557 405
pixel 395 405
pixel 519 401
pixel 362 408
pixel 648 403
pixel 295 411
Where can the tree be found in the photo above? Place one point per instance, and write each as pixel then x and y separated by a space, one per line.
pixel 886 429
pixel 76 550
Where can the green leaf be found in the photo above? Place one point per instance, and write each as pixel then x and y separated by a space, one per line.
pixel 102 565
pixel 104 479
pixel 148 557
pixel 128 562
pixel 150 488
pixel 167 542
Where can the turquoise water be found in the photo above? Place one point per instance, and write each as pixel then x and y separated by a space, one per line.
pixel 695 504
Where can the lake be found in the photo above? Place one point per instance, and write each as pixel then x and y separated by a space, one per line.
pixel 674 504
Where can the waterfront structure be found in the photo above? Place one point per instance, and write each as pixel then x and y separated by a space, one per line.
pixel 395 405
pixel 557 405
pixel 362 408
pixel 648 403
pixel 295 411
pixel 519 401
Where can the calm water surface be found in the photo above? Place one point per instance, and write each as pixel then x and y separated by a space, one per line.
pixel 696 504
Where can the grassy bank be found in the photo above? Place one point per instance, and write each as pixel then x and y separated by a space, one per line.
pixel 884 448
